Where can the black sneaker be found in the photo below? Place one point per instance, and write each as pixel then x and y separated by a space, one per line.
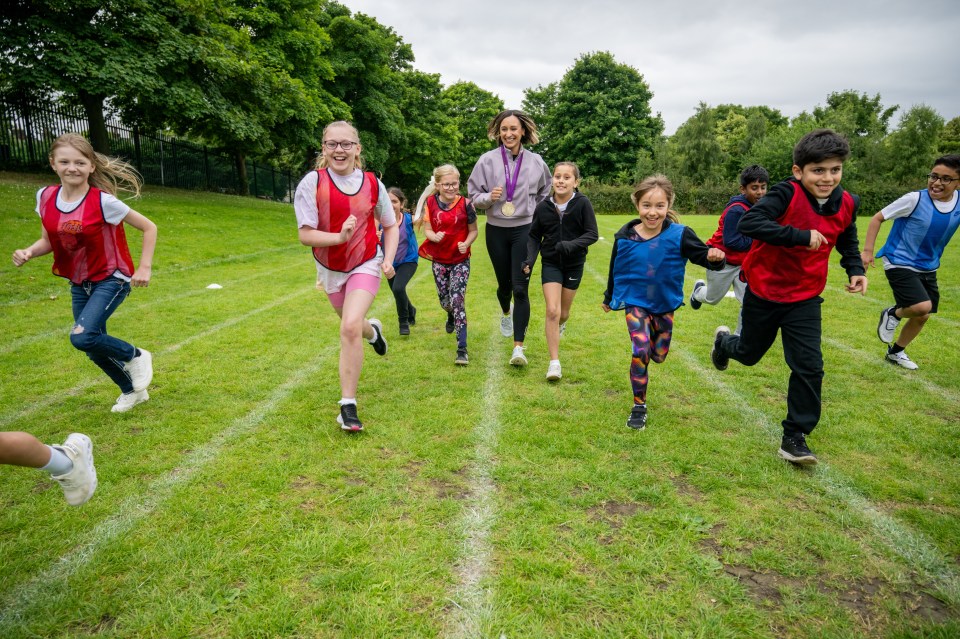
pixel 719 357
pixel 695 304
pixel 794 449
pixel 413 315
pixel 638 417
pixel 348 419
pixel 449 325
pixel 379 344
pixel 404 328
pixel 462 359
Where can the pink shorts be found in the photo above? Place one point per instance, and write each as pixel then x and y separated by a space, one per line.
pixel 357 281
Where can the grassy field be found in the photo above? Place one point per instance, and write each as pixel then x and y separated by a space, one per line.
pixel 479 501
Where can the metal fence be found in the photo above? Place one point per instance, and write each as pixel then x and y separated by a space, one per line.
pixel 28 130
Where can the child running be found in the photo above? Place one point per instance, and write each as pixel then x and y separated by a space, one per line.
pixel 69 464
pixel 338 207
pixel 564 225
pixel 83 225
pixel 450 225
pixel 923 223
pixel 405 262
pixel 645 279
pixel 793 229
pixel 734 244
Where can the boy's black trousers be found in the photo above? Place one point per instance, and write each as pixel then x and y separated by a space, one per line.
pixel 799 325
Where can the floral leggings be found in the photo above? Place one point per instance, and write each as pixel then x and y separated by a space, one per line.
pixel 451 282
pixel 650 335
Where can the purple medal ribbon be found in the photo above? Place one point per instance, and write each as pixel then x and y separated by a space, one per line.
pixel 510 183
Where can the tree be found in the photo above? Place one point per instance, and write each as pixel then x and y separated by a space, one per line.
pixel 913 146
pixel 428 137
pixel 950 138
pixel 698 148
pixel 864 121
pixel 471 109
pixel 86 51
pixel 600 117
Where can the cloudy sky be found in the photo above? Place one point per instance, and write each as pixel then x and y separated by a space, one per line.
pixel 787 55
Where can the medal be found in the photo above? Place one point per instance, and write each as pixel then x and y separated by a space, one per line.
pixel 510 183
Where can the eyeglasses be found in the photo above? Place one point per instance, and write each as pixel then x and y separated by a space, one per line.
pixel 944 180
pixel 451 185
pixel 330 145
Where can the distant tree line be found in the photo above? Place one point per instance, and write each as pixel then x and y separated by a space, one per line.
pixel 260 79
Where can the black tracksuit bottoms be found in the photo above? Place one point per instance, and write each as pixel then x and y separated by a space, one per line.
pixel 800 326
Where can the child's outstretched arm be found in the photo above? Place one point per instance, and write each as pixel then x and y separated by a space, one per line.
pixel 760 222
pixel 692 248
pixel 873 228
pixel 38 248
pixel 141 277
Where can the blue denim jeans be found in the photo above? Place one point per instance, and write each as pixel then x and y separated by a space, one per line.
pixel 93 304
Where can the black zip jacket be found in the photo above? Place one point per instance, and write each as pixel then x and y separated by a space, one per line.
pixel 562 239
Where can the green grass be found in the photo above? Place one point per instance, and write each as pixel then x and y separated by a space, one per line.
pixel 479 501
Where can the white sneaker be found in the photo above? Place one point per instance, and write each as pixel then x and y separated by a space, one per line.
pixel 887 325
pixel 901 359
pixel 140 370
pixel 563 327
pixel 518 358
pixel 128 400
pixel 506 323
pixel 78 485
pixel 553 371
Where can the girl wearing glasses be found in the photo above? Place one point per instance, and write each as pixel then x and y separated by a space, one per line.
pixel 923 223
pixel 508 183
pixel 450 225
pixel 338 207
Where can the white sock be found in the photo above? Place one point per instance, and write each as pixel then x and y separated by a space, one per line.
pixel 348 400
pixel 554 361
pixel 59 463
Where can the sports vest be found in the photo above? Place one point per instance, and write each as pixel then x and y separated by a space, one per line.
pixel 86 248
pixel 453 224
pixel 795 273
pixel 333 208
pixel 734 258
pixel 649 273
pixel 918 240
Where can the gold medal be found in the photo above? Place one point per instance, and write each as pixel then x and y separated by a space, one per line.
pixel 508 209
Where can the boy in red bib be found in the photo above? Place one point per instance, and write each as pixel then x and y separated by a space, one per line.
pixel 794 228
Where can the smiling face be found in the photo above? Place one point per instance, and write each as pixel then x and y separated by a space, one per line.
pixel 937 189
pixel 652 207
pixel 564 182
pixel 511 133
pixel 341 161
pixel 820 178
pixel 448 186
pixel 73 167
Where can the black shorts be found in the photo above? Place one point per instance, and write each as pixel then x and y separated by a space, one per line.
pixel 913 287
pixel 566 276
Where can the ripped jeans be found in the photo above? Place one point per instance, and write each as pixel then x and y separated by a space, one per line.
pixel 93 304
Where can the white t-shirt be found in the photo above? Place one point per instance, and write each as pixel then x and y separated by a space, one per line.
pixel 305 207
pixel 904 206
pixel 114 211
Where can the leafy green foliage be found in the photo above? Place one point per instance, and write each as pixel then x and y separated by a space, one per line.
pixel 471 109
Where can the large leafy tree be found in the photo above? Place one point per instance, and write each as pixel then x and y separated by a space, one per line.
pixel 950 137
pixel 471 109
pixel 599 116
pixel 913 146
pixel 864 121
pixel 698 147
pixel 85 51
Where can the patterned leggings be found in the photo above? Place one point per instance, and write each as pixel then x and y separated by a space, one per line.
pixel 650 335
pixel 451 282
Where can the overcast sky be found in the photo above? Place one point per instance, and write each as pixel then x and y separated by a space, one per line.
pixel 787 55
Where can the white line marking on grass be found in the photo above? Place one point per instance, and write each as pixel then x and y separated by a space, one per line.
pixel 920 553
pixel 878 360
pixel 52 584
pixel 10 416
pixel 473 599
pixel 64 330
